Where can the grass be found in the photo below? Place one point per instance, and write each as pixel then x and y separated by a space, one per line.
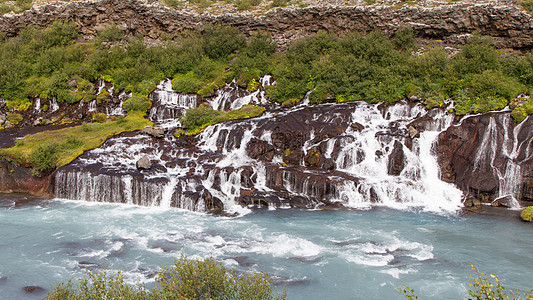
pixel 197 119
pixel 55 148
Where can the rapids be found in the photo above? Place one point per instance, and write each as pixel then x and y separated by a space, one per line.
pixel 343 254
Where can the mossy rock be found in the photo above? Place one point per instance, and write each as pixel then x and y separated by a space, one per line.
pixel 527 214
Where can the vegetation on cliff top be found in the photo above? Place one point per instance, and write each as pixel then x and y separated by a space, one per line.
pixel 55 148
pixel 374 68
pixel 187 279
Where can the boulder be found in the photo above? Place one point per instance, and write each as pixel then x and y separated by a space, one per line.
pixel 154 131
pixel 143 163
pixel 7 125
pixel 32 289
pixel 38 121
pixel 46 122
pixel 413 133
pixel 2 119
pixel 73 83
pixel 396 160
pixel 504 201
pixel 527 214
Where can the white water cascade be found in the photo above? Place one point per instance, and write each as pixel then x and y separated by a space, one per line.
pixel 355 155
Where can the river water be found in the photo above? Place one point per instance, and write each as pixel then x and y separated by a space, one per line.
pixel 345 254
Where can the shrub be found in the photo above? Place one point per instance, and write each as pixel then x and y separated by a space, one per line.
pixel 527 5
pixel 111 33
pixel 187 83
pixel 220 41
pixel 187 279
pixel 404 38
pixel 14 119
pixel 246 4
pixel 481 287
pixel 137 103
pixel 44 157
pixel 174 3
pixel 99 117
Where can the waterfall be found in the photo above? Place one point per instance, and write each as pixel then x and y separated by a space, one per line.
pixel 168 106
pixel 53 105
pixel 353 154
pixel 37 107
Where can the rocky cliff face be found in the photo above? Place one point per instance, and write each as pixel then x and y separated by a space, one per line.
pixel 507 24
pixel 488 157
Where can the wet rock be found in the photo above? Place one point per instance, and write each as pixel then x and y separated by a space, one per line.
pixel 328 164
pixel 313 158
pixel 32 289
pixel 88 265
pixel 472 154
pixel 259 149
pixel 472 202
pixel 212 204
pixel 293 157
pixel 357 126
pixel 143 163
pixel 413 133
pixel 154 131
pixel 505 201
pixel 38 121
pixel 396 160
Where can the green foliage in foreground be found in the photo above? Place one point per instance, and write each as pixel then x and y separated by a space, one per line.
pixel 50 149
pixel 481 287
pixel 187 279
pixel 196 119
pixel 527 5
pixel 527 214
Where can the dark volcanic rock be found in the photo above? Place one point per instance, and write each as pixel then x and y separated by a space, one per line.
pixel 509 25
pixel 483 149
pixel 396 160
pixel 32 289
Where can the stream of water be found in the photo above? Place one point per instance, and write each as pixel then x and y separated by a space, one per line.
pixel 316 254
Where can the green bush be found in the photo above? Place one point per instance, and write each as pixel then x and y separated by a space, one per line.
pixel 111 33
pixel 187 279
pixel 246 4
pixel 187 83
pixel 527 5
pixel 481 287
pixel 137 103
pixel 404 38
pixel 14 118
pixel 44 157
pixel 220 41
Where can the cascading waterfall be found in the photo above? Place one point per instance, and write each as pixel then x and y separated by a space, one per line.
pixel 353 154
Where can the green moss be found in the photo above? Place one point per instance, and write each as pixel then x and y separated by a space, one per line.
pixel 196 119
pixel 56 148
pixel 527 214
pixel 14 118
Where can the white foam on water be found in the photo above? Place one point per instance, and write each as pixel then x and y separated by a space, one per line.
pixel 286 245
